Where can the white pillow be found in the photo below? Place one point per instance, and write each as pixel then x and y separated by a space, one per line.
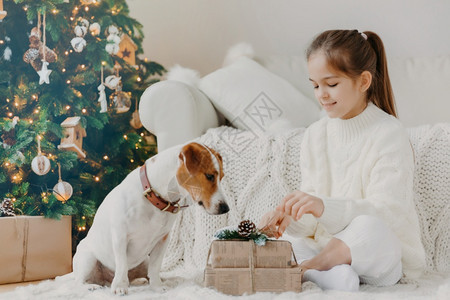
pixel 253 98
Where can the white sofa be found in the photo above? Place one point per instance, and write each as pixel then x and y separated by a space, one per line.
pixel 264 97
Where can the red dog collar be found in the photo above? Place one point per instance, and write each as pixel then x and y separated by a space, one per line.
pixel 156 200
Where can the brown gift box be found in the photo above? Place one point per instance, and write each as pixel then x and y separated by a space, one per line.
pixel 238 267
pixel 34 248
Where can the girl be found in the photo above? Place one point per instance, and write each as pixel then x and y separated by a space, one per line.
pixel 355 212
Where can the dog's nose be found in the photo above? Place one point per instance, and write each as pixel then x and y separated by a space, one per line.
pixel 223 208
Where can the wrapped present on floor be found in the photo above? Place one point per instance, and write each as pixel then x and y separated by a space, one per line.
pixel 237 267
pixel 34 248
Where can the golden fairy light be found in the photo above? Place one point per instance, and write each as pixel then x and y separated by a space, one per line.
pixel 68 81
pixel 105 157
pixel 125 136
pixel 96 178
pixel 84 110
pixel 67 107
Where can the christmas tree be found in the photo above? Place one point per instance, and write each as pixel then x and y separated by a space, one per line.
pixel 66 140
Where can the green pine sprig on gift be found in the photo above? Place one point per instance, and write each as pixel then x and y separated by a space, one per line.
pixel 245 231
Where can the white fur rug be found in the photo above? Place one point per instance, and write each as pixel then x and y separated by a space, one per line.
pixel 64 287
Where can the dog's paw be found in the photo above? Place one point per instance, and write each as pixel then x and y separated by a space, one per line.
pixel 139 281
pixel 121 291
pixel 120 288
pixel 93 287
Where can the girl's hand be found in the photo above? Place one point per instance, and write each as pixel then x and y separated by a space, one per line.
pixel 274 223
pixel 298 203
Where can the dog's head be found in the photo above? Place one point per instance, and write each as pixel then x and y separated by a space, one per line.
pixel 199 173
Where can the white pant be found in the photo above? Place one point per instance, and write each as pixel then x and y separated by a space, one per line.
pixel 375 250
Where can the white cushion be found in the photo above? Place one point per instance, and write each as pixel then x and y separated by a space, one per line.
pixel 253 98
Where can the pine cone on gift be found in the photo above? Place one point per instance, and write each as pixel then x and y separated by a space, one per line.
pixel 7 207
pixel 246 228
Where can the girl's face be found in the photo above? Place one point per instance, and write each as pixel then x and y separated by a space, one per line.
pixel 340 96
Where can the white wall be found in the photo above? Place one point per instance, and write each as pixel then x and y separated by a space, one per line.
pixel 197 33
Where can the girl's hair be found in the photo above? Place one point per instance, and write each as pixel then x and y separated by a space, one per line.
pixel 352 52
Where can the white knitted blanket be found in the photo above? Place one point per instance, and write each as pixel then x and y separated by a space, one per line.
pixel 261 170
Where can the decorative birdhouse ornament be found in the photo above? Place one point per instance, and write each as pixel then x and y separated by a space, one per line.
pixel 62 190
pixel 40 164
pixel 127 49
pixel 73 136
pixel 2 12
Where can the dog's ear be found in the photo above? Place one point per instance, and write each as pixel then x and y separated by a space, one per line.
pixel 190 156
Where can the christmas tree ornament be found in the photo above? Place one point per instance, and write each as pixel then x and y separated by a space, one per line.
pixel 35 53
pixel 62 190
pixel 135 121
pixel 112 81
pixel 95 29
pixel 7 207
pixel 78 43
pixel 127 49
pixel 44 73
pixel 120 100
pixel 113 39
pixel 9 138
pixel 73 136
pixel 102 94
pixel 246 227
pixel 87 2
pixel 40 164
pixel 2 12
pixel 7 54
pixel 80 30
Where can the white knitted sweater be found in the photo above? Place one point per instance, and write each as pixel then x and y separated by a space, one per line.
pixel 259 171
pixel 361 166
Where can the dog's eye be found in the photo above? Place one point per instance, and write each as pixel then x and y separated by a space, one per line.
pixel 200 203
pixel 210 177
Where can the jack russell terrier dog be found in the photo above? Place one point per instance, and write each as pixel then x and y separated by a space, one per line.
pixel 128 237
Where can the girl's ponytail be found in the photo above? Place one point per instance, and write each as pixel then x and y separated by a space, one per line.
pixel 381 93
